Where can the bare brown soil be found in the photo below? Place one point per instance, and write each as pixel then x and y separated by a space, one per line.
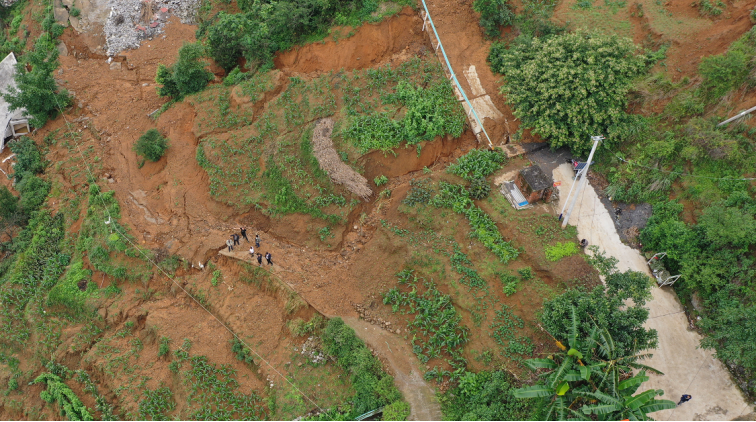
pixel 167 205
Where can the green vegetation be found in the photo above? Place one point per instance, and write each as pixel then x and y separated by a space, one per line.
pixel 484 228
pixel 68 402
pixel 436 328
pixel 156 404
pixel 478 163
pixel 186 76
pixel 584 380
pixel 261 29
pixel 560 250
pixel 151 145
pixel 487 396
pixel 380 180
pixel 570 87
pixel 710 7
pixel 606 309
pixel 374 388
pixel 493 15
pixel 431 112
pixel 37 91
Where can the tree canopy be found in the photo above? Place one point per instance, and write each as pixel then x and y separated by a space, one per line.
pixel 571 86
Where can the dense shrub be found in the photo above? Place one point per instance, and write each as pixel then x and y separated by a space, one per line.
pixel 430 112
pixel 486 396
pixel 266 27
pixel 187 76
pixel 604 309
pixel 478 163
pixel 374 388
pixel 151 145
pixel 725 72
pixel 37 91
pixel 479 188
pixel 493 15
pixel 570 87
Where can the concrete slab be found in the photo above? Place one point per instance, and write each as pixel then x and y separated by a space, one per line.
pixel 484 108
pixel 472 79
pixel 687 368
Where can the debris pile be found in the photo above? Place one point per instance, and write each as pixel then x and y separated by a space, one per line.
pixel 375 320
pixel 132 21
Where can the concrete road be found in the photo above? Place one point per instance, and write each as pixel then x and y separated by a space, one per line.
pixel 687 368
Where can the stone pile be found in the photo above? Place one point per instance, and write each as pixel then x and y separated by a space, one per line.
pixel 375 320
pixel 132 21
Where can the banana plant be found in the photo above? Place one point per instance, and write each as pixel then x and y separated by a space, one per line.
pixel 589 377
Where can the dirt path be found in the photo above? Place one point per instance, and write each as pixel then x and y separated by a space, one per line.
pixel 405 368
pixel 687 368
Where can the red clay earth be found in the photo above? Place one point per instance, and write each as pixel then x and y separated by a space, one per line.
pixel 167 204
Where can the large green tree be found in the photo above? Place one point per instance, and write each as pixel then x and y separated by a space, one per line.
pixel 569 87
pixel 36 89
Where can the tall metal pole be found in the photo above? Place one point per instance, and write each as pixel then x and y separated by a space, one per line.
pixel 583 179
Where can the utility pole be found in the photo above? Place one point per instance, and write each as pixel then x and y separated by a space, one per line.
pixel 583 178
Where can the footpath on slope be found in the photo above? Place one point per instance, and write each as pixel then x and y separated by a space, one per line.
pixel 687 368
pixel 393 349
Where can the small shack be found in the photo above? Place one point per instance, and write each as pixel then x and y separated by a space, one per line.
pixel 534 184
pixel 14 123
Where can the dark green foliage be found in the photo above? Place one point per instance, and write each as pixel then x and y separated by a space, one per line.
pixel 151 145
pixel 714 259
pixel 28 158
pixel 431 112
pixel 156 404
pixel 589 376
pixel 57 391
pixel 241 351
pixel 420 193
pixel 33 191
pixel 266 27
pixel 187 76
pixel 607 311
pixel 728 71
pixel 479 188
pixel 67 294
pixel 478 163
pixel 570 87
pixel 36 89
pixel 487 396
pixel 164 347
pixel 493 15
pixel 8 203
pixel 374 388
pixel 39 264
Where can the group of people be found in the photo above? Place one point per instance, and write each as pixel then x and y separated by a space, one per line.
pixel 235 240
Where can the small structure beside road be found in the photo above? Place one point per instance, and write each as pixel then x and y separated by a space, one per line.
pixel 534 184
pixel 529 186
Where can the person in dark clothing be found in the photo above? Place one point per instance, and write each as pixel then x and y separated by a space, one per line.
pixel 259 259
pixel 583 243
pixel 268 258
pixel 257 240
pixel 230 244
pixel 243 231
pixel 236 238
pixel 617 213
pixel 684 398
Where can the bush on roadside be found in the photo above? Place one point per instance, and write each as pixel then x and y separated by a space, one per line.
pixel 151 145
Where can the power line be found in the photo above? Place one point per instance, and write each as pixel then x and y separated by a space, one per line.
pixel 682 174
pixel 146 257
